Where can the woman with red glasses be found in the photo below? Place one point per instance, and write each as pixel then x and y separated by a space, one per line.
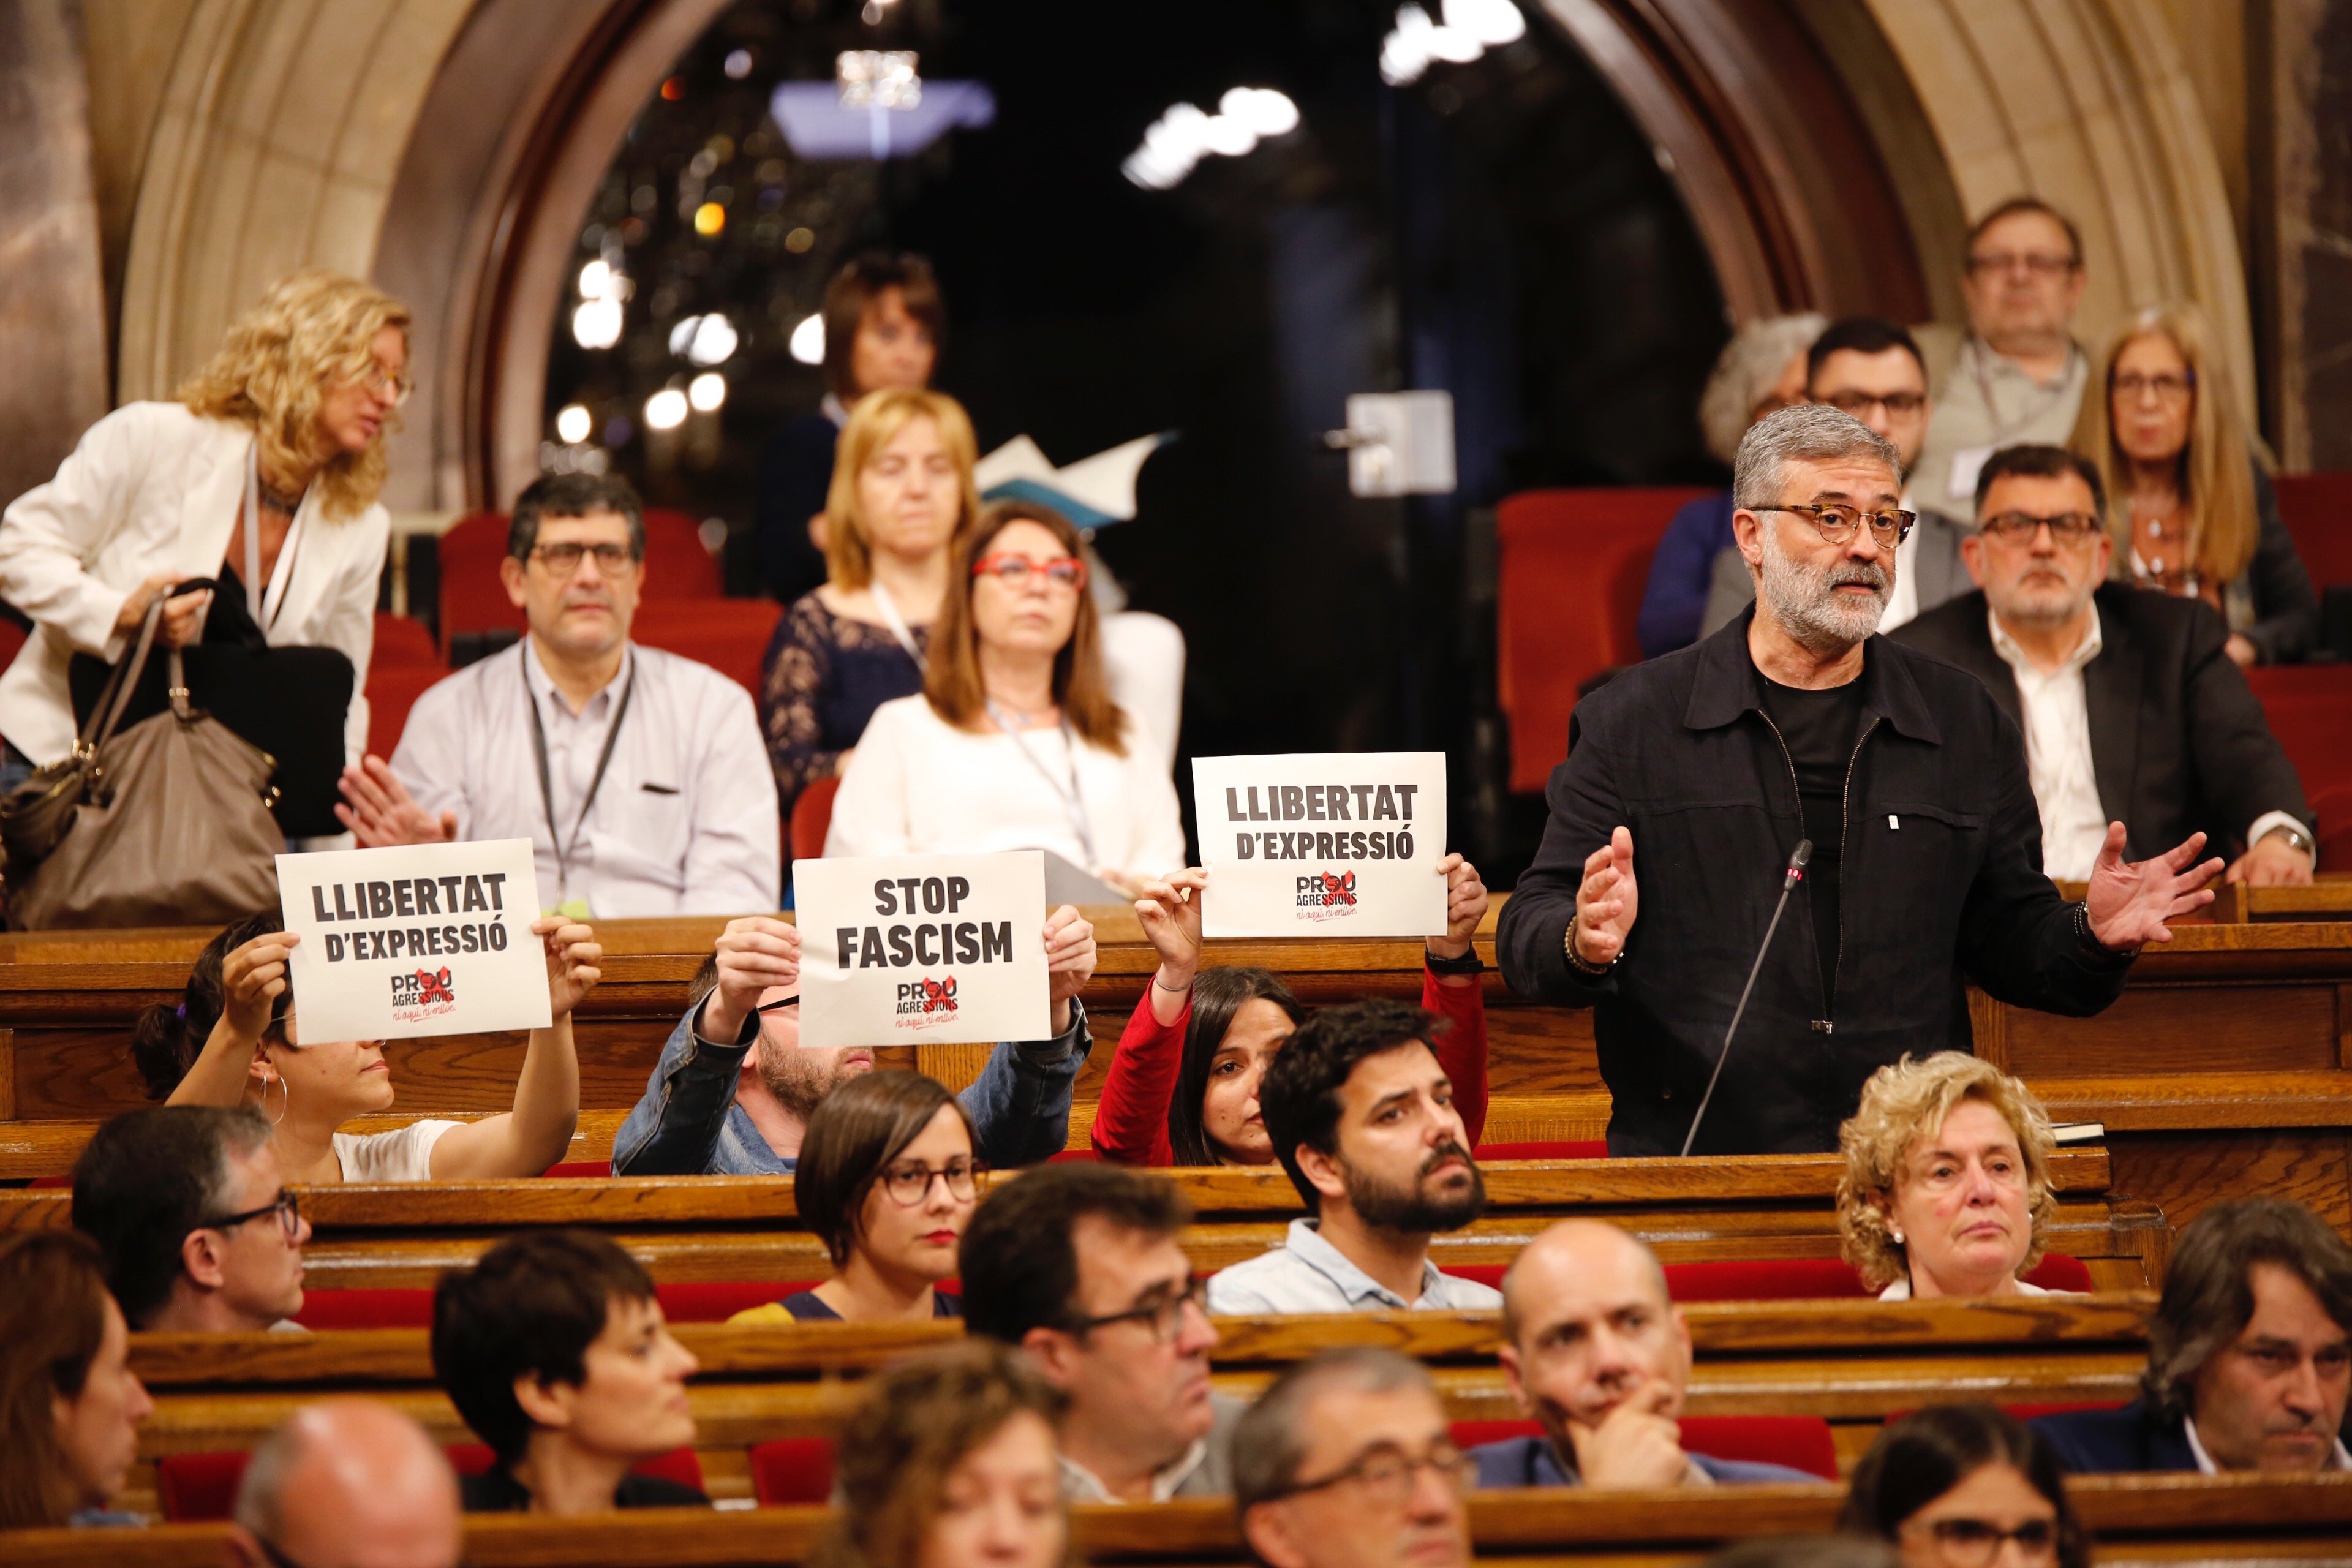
pixel 1015 742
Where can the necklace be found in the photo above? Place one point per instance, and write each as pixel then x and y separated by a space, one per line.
pixel 278 500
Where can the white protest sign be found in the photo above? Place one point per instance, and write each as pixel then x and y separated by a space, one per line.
pixel 427 939
pixel 1322 844
pixel 913 949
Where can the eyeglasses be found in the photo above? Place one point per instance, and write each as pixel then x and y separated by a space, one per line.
pixel 377 385
pixel 778 1005
pixel 1384 1475
pixel 285 1206
pixel 2020 527
pixel 1163 1313
pixel 1839 522
pixel 2035 264
pixel 1013 570
pixel 612 560
pixel 1975 1542
pixel 1900 405
pixel 2131 385
pixel 910 1183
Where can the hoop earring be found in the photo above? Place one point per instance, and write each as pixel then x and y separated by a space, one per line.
pixel 286 1098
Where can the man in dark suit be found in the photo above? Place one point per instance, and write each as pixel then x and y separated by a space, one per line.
pixel 2132 710
pixel 2249 1354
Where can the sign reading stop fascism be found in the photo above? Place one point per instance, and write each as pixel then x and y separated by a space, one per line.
pixel 901 951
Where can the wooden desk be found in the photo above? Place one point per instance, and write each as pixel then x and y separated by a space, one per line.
pixel 2135 1519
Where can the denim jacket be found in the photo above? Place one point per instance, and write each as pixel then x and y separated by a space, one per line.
pixel 689 1124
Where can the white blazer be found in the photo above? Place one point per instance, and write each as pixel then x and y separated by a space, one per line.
pixel 154 488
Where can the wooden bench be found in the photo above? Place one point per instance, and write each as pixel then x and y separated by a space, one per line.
pixel 2135 1519
pixel 745 1228
pixel 1849 1363
pixel 2225 1068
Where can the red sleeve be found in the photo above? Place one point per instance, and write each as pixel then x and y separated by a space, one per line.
pixel 1131 1119
pixel 1462 1051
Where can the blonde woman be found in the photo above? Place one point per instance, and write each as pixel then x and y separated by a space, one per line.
pixel 2190 510
pixel 901 493
pixel 1947 1184
pixel 265 472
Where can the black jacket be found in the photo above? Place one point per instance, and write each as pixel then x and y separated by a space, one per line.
pixel 496 1490
pixel 1941 883
pixel 2129 1439
pixel 2177 740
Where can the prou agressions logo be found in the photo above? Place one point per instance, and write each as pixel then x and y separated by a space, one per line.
pixel 422 993
pixel 926 1002
pixel 1323 896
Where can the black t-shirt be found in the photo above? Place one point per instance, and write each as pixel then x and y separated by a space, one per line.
pixel 1820 728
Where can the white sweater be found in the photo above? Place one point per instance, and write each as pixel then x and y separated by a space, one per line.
pixel 918 786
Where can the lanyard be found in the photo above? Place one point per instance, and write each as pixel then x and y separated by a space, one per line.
pixel 266 600
pixel 1073 804
pixel 564 847
pixel 897 624
pixel 2002 435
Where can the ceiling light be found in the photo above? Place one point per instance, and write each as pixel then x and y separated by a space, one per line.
pixel 666 409
pixel 1261 109
pixel 705 340
pixel 1181 137
pixel 707 392
pixel 709 218
pixel 573 423
pixel 807 342
pixel 738 64
pixel 595 281
pixel 597 324
pixel 1493 22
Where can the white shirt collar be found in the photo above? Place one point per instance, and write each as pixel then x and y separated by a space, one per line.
pixel 1305 1241
pixel 2338 1460
pixel 2093 640
pixel 542 685
pixel 1080 1484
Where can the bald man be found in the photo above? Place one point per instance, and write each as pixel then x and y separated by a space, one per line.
pixel 348 1483
pixel 1595 1351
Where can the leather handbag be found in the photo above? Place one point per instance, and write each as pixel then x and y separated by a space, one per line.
pixel 166 823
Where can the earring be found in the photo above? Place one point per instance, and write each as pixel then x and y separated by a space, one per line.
pixel 1895 1235
pixel 286 1098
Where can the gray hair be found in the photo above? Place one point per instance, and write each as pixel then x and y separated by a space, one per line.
pixel 1745 370
pixel 1808 431
pixel 1270 1441
pixel 2209 1293
pixel 267 1470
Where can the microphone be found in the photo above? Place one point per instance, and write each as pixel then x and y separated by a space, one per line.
pixel 1795 874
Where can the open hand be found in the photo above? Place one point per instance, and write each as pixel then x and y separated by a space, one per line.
pixel 252 979
pixel 2129 904
pixel 381 812
pixel 572 957
pixel 1465 906
pixel 1635 1445
pixel 1069 957
pixel 757 955
pixel 1606 901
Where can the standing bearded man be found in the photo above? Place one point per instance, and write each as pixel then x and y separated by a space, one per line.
pixel 1796 722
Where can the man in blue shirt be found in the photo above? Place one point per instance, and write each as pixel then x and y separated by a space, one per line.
pixel 703 1115
pixel 1596 1351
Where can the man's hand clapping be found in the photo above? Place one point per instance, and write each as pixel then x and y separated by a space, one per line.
pixel 380 813
pixel 756 954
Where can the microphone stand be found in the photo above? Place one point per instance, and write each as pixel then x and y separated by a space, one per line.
pixel 1796 873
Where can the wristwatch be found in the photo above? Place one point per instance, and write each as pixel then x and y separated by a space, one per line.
pixel 1576 960
pixel 2297 838
pixel 1468 963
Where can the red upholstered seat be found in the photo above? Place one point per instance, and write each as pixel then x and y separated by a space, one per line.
pixel 1572 568
pixel 596 1169
pixel 1577 1149
pixel 716 1301
pixel 811 816
pixel 2318 510
pixel 1775 1279
pixel 194 1488
pixel 392 691
pixel 2309 707
pixel 677 564
pixel 679 1465
pixel 2332 806
pixel 2060 1272
pixel 410 1307
pixel 400 641
pixel 728 635
pixel 1800 1442
pixel 792 1470
pixel 13 639
pixel 1484 1273
pixel 473 599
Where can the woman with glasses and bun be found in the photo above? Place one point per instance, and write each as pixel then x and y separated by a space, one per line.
pixel 887 1181
pixel 262 475
pixel 1015 742
pixel 1965 1486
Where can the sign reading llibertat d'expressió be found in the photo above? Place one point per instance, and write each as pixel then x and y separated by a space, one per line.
pixel 1322 844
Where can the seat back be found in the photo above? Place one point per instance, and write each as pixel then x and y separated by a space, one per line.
pixel 2309 708
pixel 1576 1148
pixel 730 635
pixel 194 1488
pixel 473 599
pixel 2318 510
pixel 1571 568
pixel 677 564
pixel 792 1470
pixel 400 641
pixel 391 690
pixel 1800 1442
pixel 812 816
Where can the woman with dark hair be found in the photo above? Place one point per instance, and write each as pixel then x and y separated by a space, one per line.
pixel 69 1404
pixel 953 1460
pixel 1182 1086
pixel 1965 1486
pixel 886 1179
pixel 1015 742
pixel 233 1040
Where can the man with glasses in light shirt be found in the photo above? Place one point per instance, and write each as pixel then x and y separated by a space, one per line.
pixel 1347 1461
pixel 2019 375
pixel 1080 1265
pixel 198 1231
pixel 639 776
pixel 2132 707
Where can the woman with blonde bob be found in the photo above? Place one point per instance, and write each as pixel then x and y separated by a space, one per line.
pixel 2191 511
pixel 1015 742
pixel 264 473
pixel 902 491
pixel 952 1462
pixel 1947 1184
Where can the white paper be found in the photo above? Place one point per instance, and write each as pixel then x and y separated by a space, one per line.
pixel 922 948
pixel 428 939
pixel 1967 464
pixel 1322 844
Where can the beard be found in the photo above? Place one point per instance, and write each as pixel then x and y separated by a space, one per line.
pixel 1417 1210
pixel 800 1079
pixel 1805 599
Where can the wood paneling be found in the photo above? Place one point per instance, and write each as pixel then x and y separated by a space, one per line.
pixel 2178 1028
pixel 2183 1173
